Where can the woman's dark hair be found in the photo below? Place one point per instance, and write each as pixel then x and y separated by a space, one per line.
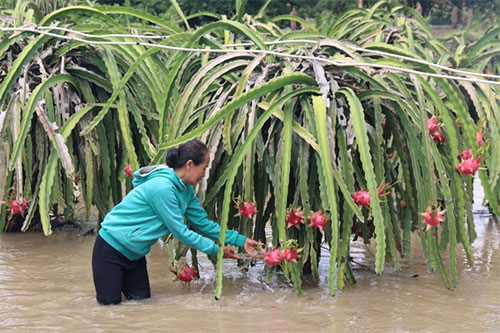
pixel 194 150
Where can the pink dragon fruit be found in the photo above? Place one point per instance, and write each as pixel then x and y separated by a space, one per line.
pixel 246 209
pixel 433 125
pixel 433 216
pixel 273 257
pixel 361 198
pixel 466 154
pixel 318 220
pixel 291 255
pixel 187 274
pixel 438 137
pixel 294 218
pixel 15 208
pixel 468 166
pixel 128 170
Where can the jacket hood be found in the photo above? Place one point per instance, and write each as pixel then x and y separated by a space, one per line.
pixel 149 172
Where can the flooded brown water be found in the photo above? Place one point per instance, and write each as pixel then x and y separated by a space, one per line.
pixel 46 285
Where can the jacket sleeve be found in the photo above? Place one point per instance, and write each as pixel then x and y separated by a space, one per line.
pixel 198 218
pixel 166 205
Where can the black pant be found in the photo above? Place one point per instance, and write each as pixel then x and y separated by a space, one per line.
pixel 114 274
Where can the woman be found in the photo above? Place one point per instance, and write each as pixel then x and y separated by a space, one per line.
pixel 161 197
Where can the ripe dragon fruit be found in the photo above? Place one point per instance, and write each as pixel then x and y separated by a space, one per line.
pixel 291 255
pixel 438 137
pixel 433 125
pixel 468 166
pixel 128 170
pixel 291 252
pixel 273 257
pixel 466 154
pixel 361 198
pixel 15 208
pixel 294 218
pixel 433 216
pixel 187 274
pixel 318 220
pixel 246 209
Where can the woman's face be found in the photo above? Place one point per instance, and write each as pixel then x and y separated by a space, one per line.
pixel 195 173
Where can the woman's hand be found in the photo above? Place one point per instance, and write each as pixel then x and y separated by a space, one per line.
pixel 249 248
pixel 229 253
pixel 250 245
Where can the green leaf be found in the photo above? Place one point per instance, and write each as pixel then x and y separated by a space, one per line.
pixel 165 25
pixel 45 192
pixel 21 59
pixel 254 93
pixel 30 109
pixel 181 14
pixel 473 49
pixel 229 25
pixel 300 20
pixel 368 168
pixel 326 170
pixel 233 170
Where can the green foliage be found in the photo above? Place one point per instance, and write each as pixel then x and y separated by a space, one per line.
pixel 282 131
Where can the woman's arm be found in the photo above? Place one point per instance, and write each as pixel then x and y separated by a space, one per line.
pixel 198 219
pixel 165 204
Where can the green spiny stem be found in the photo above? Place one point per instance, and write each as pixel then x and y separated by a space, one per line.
pixel 238 158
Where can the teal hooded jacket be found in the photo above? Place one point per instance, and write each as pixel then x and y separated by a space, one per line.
pixel 155 208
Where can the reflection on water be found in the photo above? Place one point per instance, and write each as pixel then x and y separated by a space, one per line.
pixel 46 285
